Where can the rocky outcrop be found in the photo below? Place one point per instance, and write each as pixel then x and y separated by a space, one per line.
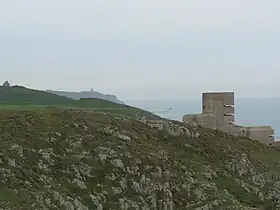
pixel 66 159
pixel 87 94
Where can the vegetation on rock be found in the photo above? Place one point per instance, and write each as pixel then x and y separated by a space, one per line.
pixel 72 159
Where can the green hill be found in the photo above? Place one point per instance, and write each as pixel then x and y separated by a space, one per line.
pixel 71 159
pixel 18 97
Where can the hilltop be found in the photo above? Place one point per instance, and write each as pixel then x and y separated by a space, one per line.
pixel 70 159
pixel 76 95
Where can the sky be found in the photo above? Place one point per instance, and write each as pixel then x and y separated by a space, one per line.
pixel 148 49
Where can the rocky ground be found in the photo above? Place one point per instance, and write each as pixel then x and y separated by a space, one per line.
pixel 66 159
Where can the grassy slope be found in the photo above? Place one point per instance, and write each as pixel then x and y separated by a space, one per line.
pixel 21 98
pixel 18 95
pixel 57 158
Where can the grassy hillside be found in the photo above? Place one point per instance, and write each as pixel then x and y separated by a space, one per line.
pixel 19 95
pixel 21 98
pixel 70 159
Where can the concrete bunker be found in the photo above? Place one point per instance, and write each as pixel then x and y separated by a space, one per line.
pixel 218 113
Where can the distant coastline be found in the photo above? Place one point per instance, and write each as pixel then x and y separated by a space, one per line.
pixel 87 94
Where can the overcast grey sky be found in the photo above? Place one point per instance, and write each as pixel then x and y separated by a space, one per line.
pixel 148 49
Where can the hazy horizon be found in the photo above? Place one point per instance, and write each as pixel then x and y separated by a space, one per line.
pixel 142 49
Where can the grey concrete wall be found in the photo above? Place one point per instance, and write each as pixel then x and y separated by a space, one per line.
pixel 238 130
pixel 229 109
pixel 219 104
pixel 190 119
pixel 207 106
pixel 229 119
pixel 206 121
pixel 264 134
pixel 227 97
pixel 218 111
pixel 233 130
pixel 242 131
pixel 227 128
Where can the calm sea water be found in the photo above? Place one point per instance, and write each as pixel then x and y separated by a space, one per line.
pixel 248 111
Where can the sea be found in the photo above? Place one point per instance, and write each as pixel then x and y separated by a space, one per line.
pixel 248 112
